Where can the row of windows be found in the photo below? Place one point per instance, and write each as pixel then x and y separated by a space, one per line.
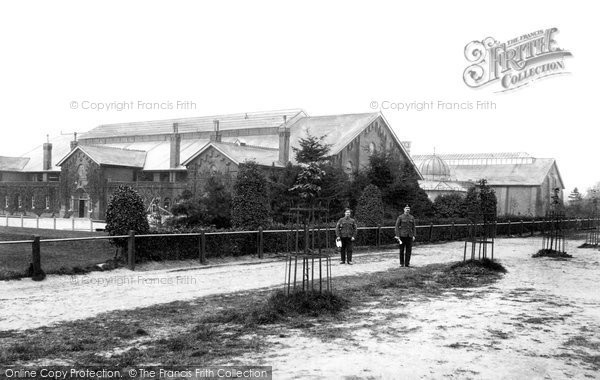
pixel 162 177
pixel 52 177
pixel 20 202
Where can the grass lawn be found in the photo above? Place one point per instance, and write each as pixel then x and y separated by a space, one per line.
pixel 221 329
pixel 59 257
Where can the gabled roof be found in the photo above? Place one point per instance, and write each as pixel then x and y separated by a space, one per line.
pixel 239 153
pixel 195 124
pixel 532 174
pixel 103 155
pixel 339 130
pixel 13 164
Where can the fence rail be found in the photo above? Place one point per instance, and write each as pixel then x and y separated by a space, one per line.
pixel 66 224
pixel 197 245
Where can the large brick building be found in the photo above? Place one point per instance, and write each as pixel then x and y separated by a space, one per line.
pixel 76 176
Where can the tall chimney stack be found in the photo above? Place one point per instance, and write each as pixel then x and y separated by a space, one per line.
pixel 74 143
pixel 284 142
pixel 175 151
pixel 216 136
pixel 47 158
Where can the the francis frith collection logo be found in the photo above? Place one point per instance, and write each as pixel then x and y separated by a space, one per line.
pixel 515 63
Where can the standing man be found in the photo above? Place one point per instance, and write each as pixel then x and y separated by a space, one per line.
pixel 406 232
pixel 345 229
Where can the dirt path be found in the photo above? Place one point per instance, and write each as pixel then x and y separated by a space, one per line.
pixel 28 304
pixel 541 321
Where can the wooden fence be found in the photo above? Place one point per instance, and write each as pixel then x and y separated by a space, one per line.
pixel 301 238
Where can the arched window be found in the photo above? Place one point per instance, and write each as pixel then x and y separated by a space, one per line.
pixel 372 148
pixel 349 169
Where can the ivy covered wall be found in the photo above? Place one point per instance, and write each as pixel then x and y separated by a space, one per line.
pixel 81 176
pixel 29 198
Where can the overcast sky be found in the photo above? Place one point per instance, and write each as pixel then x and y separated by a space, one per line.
pixel 323 57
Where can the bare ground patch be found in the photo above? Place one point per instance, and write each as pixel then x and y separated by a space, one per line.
pixel 220 329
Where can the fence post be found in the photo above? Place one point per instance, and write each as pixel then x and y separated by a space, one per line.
pixel 21 220
pixel 202 247
pixel 305 238
pixel 532 229
pixel 72 223
pixel 430 232
pixel 7 219
pixel 452 231
pixel 37 222
pixel 260 242
pixel 522 228
pixel 55 222
pixel 91 225
pixel 37 274
pixel 378 235
pixel 131 250
pixel 508 229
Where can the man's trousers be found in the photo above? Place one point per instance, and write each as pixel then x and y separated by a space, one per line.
pixel 405 250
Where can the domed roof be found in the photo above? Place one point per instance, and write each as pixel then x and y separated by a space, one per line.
pixel 435 168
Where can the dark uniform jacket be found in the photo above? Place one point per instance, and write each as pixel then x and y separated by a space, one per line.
pixel 406 226
pixel 346 227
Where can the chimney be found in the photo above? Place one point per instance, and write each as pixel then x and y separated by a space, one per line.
pixel 406 145
pixel 47 158
pixel 175 151
pixel 284 142
pixel 74 143
pixel 216 136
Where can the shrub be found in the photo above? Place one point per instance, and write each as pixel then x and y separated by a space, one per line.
pixel 250 203
pixel 481 202
pixel 369 211
pixel 125 212
pixel 449 206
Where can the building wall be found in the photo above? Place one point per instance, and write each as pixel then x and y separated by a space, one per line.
pixel 210 162
pixel 14 176
pixel 546 192
pixel 28 198
pixel 516 200
pixel 164 194
pixel 376 136
pixel 116 173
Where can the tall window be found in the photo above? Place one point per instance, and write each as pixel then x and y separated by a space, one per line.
pixel 372 148
pixel 349 169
